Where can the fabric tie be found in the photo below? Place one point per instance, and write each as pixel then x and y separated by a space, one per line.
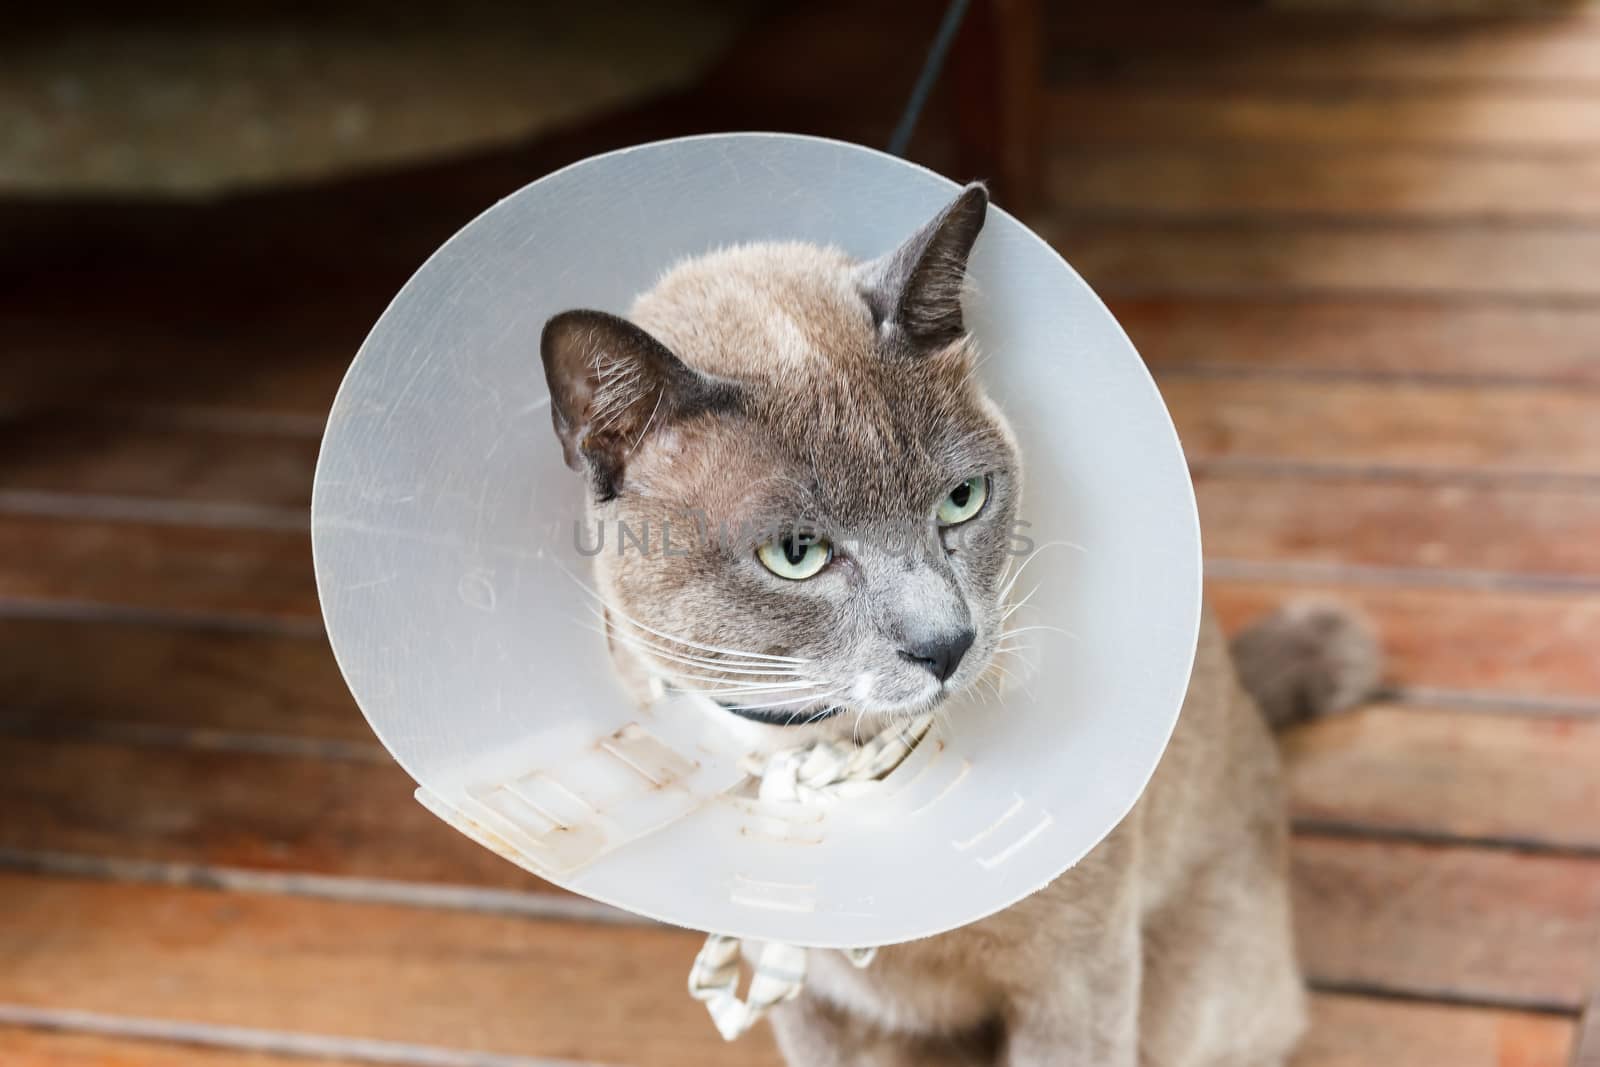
pixel 820 773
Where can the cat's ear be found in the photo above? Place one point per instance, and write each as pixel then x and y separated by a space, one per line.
pixel 611 383
pixel 915 290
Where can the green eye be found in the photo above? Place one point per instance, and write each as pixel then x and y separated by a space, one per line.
pixel 964 501
pixel 795 557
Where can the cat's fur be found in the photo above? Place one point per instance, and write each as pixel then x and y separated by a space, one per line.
pixel 766 383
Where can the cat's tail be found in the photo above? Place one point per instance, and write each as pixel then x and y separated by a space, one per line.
pixel 1308 658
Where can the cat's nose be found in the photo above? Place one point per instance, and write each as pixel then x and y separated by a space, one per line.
pixel 942 655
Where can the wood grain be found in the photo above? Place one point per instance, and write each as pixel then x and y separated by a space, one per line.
pixel 1556 118
pixel 251 810
pixel 168 334
pixel 1367 915
pixel 1145 258
pixel 1389 183
pixel 1487 430
pixel 256 575
pixel 1361 256
pixel 1397 337
pixel 1438 771
pixel 1511 646
pixel 1346 1031
pixel 355 819
pixel 207 798
pixel 1210 46
pixel 1351 1031
pixel 68 676
pixel 1537 533
pixel 211 461
pixel 55 1048
pixel 501 984
pixel 484 983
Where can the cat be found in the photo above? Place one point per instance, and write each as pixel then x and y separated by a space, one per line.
pixel 853 491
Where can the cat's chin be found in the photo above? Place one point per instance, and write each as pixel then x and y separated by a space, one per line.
pixel 770 729
pixel 785 716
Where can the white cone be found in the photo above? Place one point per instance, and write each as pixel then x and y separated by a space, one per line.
pixel 443 527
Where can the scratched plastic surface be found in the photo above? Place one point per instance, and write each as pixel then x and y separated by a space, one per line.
pixel 450 580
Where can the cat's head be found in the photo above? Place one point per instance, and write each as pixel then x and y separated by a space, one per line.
pixel 802 498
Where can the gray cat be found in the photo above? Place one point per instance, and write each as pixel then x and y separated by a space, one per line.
pixel 852 492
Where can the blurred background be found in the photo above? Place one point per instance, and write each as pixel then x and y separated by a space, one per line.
pixel 1358 242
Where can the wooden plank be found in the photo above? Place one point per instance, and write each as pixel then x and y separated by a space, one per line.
pixel 352 819
pixel 209 461
pixel 1495 645
pixel 1389 183
pixel 261 575
pixel 1558 48
pixel 1522 928
pixel 604 993
pixel 1441 771
pixel 1556 262
pixel 1396 337
pixel 246 809
pixel 96 363
pixel 1349 1031
pixel 1346 1031
pixel 68 675
pixel 56 1048
pixel 1541 533
pixel 1542 118
pixel 486 983
pixel 1483 429
pixel 284 809
pixel 1410 770
pixel 248 339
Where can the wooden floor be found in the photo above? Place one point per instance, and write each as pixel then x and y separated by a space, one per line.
pixel 1363 259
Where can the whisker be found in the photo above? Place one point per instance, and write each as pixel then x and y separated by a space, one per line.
pixel 1012 610
pixel 619 613
pixel 821 713
pixel 1006 589
pixel 808 698
pixel 732 653
pixel 1006 635
pixel 726 666
pixel 739 687
pixel 996 665
pixel 997 691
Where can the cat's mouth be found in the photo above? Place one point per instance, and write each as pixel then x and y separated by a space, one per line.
pixel 782 716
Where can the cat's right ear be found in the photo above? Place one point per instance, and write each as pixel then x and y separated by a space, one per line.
pixel 611 383
pixel 915 291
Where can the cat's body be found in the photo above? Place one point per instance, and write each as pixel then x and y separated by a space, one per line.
pixel 810 409
pixel 1168 946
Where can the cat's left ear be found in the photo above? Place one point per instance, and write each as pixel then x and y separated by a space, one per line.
pixel 915 291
